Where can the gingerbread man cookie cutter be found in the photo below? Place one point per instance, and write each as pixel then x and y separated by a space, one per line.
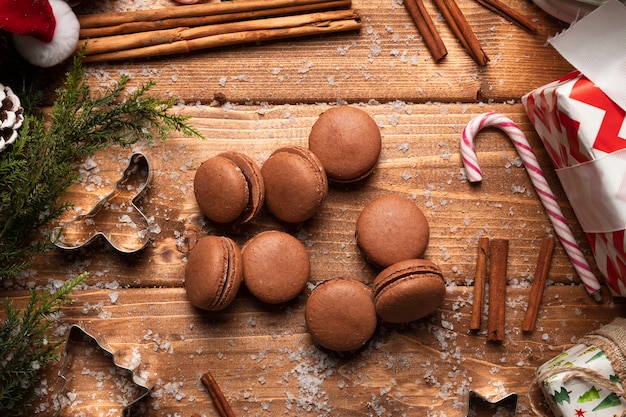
pixel 115 218
pixel 80 346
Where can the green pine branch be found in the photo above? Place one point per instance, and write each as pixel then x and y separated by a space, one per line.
pixel 40 166
pixel 24 345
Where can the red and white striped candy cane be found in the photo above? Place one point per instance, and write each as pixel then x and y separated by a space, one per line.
pixel 547 197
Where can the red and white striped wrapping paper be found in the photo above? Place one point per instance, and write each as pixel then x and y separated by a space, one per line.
pixel 584 132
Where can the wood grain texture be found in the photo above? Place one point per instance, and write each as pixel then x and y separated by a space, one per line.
pixel 420 160
pixel 265 362
pixel 257 354
pixel 386 61
pixel 263 358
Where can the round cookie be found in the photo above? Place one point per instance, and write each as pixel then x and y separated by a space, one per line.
pixel 390 229
pixel 276 266
pixel 340 314
pixel 295 183
pixel 347 142
pixel 229 188
pixel 213 273
pixel 408 290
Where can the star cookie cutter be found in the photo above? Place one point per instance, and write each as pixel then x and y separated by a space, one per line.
pixel 115 218
pixel 79 346
pixel 505 406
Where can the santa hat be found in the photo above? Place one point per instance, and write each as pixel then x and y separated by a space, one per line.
pixel 45 32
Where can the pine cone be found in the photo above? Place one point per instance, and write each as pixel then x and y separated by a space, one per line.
pixel 11 116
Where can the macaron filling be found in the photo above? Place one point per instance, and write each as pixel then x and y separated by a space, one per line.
pixel 255 187
pixel 223 287
pixel 407 274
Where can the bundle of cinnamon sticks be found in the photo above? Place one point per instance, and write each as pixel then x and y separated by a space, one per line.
pixel 459 26
pixel 495 252
pixel 182 29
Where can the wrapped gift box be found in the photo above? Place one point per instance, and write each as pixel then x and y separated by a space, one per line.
pixel 579 397
pixel 585 380
pixel 580 119
pixel 584 134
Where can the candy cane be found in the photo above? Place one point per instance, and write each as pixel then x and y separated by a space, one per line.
pixel 547 197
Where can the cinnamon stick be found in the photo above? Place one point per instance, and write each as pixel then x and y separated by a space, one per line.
pixel 536 290
pixel 479 283
pixel 159 37
pixel 193 10
pixel 509 13
pixel 462 30
pixel 427 29
pixel 498 261
pixel 211 19
pixel 236 38
pixel 221 404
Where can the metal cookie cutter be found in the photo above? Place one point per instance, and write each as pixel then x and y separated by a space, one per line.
pixel 116 218
pixel 505 406
pixel 79 346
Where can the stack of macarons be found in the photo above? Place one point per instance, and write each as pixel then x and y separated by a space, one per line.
pixel 391 231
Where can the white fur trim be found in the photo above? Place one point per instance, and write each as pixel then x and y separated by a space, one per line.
pixel 63 44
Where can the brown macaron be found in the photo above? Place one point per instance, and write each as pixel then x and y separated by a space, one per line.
pixel 408 290
pixel 276 266
pixel 390 229
pixel 347 141
pixel 229 188
pixel 295 183
pixel 340 314
pixel 213 273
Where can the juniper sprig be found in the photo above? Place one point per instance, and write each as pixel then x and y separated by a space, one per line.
pixel 35 171
pixel 40 166
pixel 25 347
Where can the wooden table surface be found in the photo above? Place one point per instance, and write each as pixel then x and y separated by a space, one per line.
pixel 263 358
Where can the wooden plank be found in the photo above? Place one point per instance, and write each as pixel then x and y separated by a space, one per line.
pixel 420 160
pixel 386 61
pixel 265 362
